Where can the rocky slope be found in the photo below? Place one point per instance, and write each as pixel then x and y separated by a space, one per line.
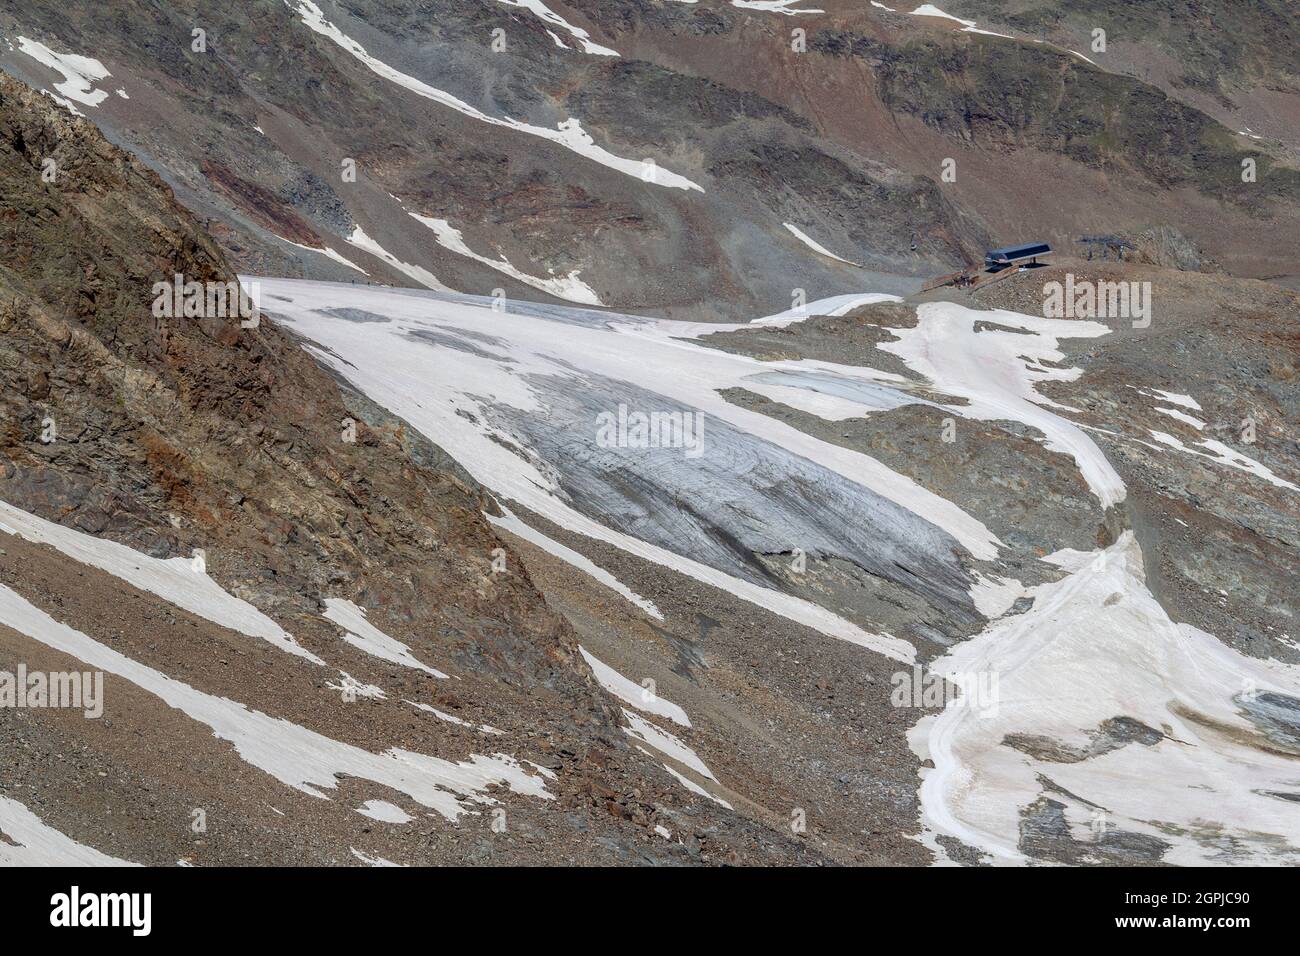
pixel 836 122
pixel 376 548
pixel 189 436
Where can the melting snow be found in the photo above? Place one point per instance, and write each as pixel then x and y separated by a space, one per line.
pixel 180 581
pixel 327 252
pixel 625 690
pixel 26 840
pixel 998 372
pixel 694 787
pixel 453 719
pixel 351 687
pixel 480 364
pixel 568 287
pixel 80 73
pixel 833 306
pixel 1181 416
pixel 361 634
pixel 673 748
pixel 993 597
pixel 968 26
pixel 1184 400
pixel 296 756
pixel 1225 455
pixel 372 860
pixel 1095 646
pixel 554 19
pixel 384 812
pixel 930 10
pixel 815 246
pixel 665 743
pixel 772 6
pixel 512 524
pixel 420 275
pixel 568 134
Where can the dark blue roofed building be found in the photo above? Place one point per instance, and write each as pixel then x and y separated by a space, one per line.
pixel 1016 255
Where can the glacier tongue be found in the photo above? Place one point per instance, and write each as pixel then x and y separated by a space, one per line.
pixel 517 395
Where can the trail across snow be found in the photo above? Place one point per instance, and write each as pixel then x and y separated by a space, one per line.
pixel 1096 646
pixel 998 371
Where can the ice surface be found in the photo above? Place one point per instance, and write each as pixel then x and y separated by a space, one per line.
pixel 490 385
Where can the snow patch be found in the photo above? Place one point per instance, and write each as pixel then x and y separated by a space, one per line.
pixel 1224 455
pixel 325 251
pixel 80 73
pixel 630 693
pixel 26 840
pixel 554 19
pixel 373 860
pixel 296 756
pixel 1095 646
pixel 179 581
pixel 420 275
pixel 1181 416
pixel 694 787
pixel 453 719
pixel 815 246
pixel 666 743
pixel 361 634
pixel 352 688
pixel 384 812
pixel 510 522
pixel 568 287
pixel 773 6
pixel 568 133
pixel 999 372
